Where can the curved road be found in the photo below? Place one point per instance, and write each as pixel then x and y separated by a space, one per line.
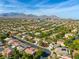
pixel 31 44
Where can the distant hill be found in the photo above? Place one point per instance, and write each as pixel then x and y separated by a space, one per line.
pixel 12 14
pixel 27 16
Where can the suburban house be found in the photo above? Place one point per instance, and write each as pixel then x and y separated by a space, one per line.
pixel 7 39
pixel 20 48
pixel 30 50
pixel 60 42
pixel 7 52
pixel 14 43
pixel 74 30
pixel 68 35
pixel 62 51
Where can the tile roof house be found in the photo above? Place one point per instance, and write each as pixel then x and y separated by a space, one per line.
pixel 30 50
pixel 7 52
pixel 14 43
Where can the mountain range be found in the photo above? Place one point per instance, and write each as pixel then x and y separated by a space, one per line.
pixel 27 16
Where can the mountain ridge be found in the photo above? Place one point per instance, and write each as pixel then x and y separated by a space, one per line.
pixel 22 15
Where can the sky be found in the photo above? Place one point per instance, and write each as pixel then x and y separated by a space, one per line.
pixel 60 8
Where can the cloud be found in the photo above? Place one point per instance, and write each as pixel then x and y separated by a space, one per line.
pixel 65 12
pixel 68 3
pixel 65 9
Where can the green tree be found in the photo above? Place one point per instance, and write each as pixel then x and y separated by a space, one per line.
pixel 2 37
pixel 38 54
pixel 16 54
pixel 26 56
pixel 76 56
